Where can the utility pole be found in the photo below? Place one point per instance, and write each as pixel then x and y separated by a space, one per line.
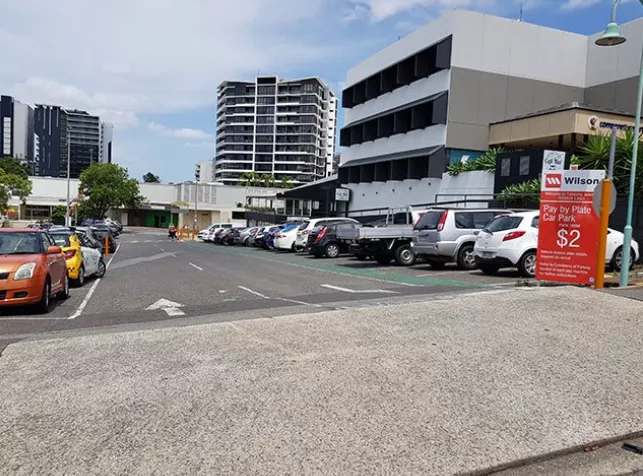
pixel 67 216
pixel 196 203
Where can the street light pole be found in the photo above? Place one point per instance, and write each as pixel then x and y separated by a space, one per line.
pixel 612 37
pixel 67 216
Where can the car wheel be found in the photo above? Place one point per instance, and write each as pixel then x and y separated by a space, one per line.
pixel 466 258
pixel 64 294
pixel 80 280
pixel 102 268
pixel 489 269
pixel 527 265
pixel 404 255
pixel 332 250
pixel 43 305
pixel 617 259
pixel 383 259
pixel 436 264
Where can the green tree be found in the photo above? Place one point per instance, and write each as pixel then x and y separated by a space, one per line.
pixel 14 167
pixel 285 183
pixel 58 214
pixel 151 178
pixel 267 180
pixel 250 179
pixel 13 185
pixel 107 186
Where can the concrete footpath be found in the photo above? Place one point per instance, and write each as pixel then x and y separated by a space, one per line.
pixel 438 388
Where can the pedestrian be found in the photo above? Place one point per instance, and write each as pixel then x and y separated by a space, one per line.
pixel 172 232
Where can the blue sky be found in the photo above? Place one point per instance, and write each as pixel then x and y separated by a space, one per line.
pixel 152 66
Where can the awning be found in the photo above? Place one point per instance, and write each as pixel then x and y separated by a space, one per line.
pixel 410 154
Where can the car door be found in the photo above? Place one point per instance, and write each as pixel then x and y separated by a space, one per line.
pixel 91 255
pixel 56 263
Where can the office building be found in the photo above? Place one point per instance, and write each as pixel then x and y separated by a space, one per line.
pixel 17 130
pixel 204 172
pixel 105 144
pixel 284 128
pixel 434 97
pixel 54 125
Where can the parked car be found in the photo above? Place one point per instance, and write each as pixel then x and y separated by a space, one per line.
pixel 245 236
pixel 307 226
pixel 220 235
pixel 511 241
pixel 445 236
pixel 34 269
pixel 258 238
pixel 232 235
pixel 103 231
pixel 91 237
pixel 82 257
pixel 285 239
pixel 323 241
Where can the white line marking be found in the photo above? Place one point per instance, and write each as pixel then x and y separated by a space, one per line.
pixel 173 311
pixel 299 302
pixel 161 249
pixel 223 291
pixel 253 292
pixel 171 308
pixel 83 304
pixel 135 241
pixel 369 291
pixel 512 283
pixel 33 319
pixel 197 267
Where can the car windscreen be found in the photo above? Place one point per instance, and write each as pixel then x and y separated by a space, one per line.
pixel 503 223
pixel 20 243
pixel 429 220
pixel 61 239
pixel 304 225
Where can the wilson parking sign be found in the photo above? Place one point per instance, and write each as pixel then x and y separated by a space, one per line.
pixel 568 227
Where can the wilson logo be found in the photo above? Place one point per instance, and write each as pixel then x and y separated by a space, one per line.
pixel 553 181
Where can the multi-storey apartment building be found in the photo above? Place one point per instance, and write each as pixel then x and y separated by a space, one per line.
pixel 16 130
pixel 284 128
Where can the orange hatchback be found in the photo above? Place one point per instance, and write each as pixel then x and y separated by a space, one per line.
pixel 32 269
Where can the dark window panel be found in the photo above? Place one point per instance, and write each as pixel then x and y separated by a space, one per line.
pixel 353 174
pixel 406 72
pixel 345 137
pixel 388 79
pixel 443 54
pixel 367 173
pixel 370 130
pixel 373 87
pixel 418 167
pixel 399 169
pixel 385 125
pixel 402 121
pixel 440 106
pixel 382 171
pixel 438 163
pixel 357 134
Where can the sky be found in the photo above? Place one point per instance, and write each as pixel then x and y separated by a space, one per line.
pixel 152 67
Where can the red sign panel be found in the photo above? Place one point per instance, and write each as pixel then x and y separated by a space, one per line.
pixel 568 229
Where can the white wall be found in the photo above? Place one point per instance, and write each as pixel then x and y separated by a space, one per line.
pixel 429 137
pixel 471 185
pixel 393 193
pixel 21 132
pixel 158 192
pixel 509 47
pixel 614 63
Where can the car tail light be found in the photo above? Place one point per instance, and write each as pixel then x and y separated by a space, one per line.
pixel 443 220
pixel 281 236
pixel 69 254
pixel 513 235
pixel 321 234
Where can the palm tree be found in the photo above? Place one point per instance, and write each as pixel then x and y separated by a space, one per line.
pixel 267 180
pixel 285 183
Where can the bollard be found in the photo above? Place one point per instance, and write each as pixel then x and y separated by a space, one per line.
pixel 181 233
pixel 107 246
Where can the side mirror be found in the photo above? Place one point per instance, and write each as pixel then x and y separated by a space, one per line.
pixel 54 250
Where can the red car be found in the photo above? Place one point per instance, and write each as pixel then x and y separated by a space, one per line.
pixel 32 268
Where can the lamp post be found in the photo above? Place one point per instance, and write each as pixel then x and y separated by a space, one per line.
pixel 612 37
pixel 67 216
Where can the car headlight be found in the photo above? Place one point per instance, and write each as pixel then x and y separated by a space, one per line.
pixel 25 271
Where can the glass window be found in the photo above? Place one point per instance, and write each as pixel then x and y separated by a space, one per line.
pixel 464 220
pixel 503 223
pixel 505 167
pixel 535 222
pixel 61 239
pixel 482 219
pixel 429 221
pixel 21 243
pixel 524 165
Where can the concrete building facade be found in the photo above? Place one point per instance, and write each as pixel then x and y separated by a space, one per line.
pixel 105 143
pixel 16 130
pixel 204 172
pixel 429 98
pixel 284 128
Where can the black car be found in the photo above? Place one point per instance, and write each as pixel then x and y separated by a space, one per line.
pixel 103 231
pixel 322 240
pixel 232 236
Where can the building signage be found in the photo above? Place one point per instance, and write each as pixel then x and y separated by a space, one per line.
pixel 553 160
pixel 594 123
pixel 568 227
pixel 342 194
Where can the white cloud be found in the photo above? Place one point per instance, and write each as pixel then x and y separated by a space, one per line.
pixel 575 4
pixel 378 10
pixel 199 145
pixel 127 58
pixel 184 133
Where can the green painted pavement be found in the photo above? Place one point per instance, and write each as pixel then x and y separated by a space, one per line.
pixel 323 265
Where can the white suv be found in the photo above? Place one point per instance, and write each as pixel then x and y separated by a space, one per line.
pixel 511 241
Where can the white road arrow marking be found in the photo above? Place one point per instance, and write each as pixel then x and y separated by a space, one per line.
pixel 170 307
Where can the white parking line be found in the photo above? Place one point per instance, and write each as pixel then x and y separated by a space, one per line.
pixel 83 304
pixel 197 267
pixel 253 292
pixel 370 291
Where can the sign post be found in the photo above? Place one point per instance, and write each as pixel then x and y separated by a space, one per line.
pixel 568 231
